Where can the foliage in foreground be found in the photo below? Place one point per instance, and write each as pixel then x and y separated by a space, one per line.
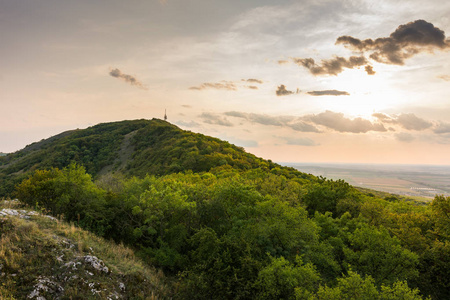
pixel 260 234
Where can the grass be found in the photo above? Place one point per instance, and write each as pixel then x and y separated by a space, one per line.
pixel 44 257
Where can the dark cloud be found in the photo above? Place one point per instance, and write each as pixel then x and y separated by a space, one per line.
pixel 222 85
pixel 404 137
pixel 328 93
pixel 282 91
pixel 407 40
pixel 252 80
pixel 252 87
pixel 338 122
pixel 407 121
pixel 127 78
pixel 215 119
pixel 369 70
pixel 332 66
pixel 299 141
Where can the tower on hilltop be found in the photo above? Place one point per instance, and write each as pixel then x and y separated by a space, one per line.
pixel 165 115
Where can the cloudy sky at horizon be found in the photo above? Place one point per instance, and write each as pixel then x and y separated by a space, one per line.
pixel 293 81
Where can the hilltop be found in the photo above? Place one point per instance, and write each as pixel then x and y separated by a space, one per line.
pixel 132 148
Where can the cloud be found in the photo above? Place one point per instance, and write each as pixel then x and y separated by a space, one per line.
pixel 442 128
pixel 338 122
pixel 186 106
pixel 283 62
pixel 303 127
pixel 292 122
pixel 382 117
pixel 215 119
pixel 228 85
pixel 444 77
pixel 282 91
pixel 406 41
pixel 404 137
pixel 127 78
pixel 332 66
pixel 222 85
pixel 412 122
pixel 309 123
pixel 369 70
pixel 189 124
pixel 328 93
pixel 407 121
pixel 299 141
pixel 242 143
pixel 252 80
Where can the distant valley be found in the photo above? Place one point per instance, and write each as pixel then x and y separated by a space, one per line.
pixel 406 180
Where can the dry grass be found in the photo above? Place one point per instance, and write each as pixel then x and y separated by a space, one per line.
pixel 41 248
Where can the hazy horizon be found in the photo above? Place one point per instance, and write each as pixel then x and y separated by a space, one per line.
pixel 328 81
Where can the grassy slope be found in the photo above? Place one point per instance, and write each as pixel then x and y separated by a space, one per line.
pixel 43 257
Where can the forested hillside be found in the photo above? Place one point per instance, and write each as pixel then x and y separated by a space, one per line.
pixel 133 148
pixel 223 224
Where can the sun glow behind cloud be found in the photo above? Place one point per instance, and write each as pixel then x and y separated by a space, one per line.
pixel 368 94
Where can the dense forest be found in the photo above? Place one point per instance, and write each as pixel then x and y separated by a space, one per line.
pixel 224 224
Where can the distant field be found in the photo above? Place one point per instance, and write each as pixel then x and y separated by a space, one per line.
pixel 406 180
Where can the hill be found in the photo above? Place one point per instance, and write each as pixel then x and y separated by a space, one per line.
pixel 220 223
pixel 133 148
pixel 44 258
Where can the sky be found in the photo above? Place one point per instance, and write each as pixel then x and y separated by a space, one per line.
pixel 293 81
